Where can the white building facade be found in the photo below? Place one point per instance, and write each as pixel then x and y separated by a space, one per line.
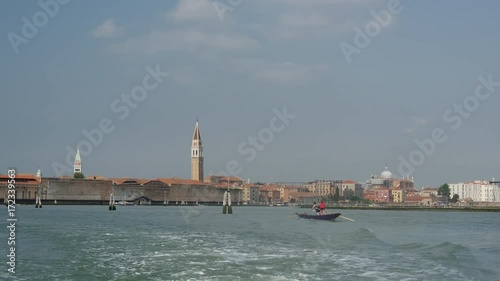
pixel 477 191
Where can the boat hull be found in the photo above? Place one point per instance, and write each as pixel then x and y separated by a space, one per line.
pixel 327 217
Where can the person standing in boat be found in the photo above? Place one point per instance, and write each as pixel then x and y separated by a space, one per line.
pixel 322 208
pixel 316 208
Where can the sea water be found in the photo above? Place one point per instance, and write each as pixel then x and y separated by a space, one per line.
pixel 254 243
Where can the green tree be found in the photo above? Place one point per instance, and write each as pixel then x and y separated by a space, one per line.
pixel 444 190
pixel 455 198
pixel 336 196
pixel 78 176
pixel 349 194
pixel 356 198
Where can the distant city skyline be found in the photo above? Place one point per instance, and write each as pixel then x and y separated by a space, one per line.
pixel 419 90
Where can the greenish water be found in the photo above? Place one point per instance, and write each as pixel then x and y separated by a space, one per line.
pixel 255 243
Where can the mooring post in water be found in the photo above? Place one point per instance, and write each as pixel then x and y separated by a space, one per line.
pixel 224 210
pixel 38 201
pixel 229 208
pixel 226 203
pixel 112 205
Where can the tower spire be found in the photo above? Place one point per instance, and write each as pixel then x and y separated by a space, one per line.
pixel 197 154
pixel 196 134
pixel 77 168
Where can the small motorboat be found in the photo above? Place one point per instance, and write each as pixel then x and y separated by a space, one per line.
pixel 327 217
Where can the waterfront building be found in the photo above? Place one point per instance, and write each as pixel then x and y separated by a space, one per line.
pixel 369 194
pixel 350 188
pixel 429 191
pixel 420 201
pixel 386 188
pixel 250 194
pixel 27 186
pixel 197 155
pixel 387 180
pixel 477 191
pixel 77 167
pixel 286 190
pixel 323 187
pixel 382 195
pixel 304 198
pixel 270 194
pixel 397 195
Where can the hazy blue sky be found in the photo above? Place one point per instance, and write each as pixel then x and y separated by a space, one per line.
pixel 232 71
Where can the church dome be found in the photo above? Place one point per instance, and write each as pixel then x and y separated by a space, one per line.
pixel 386 174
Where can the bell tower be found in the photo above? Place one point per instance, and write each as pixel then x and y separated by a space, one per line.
pixel 197 155
pixel 77 168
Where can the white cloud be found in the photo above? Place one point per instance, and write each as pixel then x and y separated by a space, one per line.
pixel 282 72
pixel 306 19
pixel 186 75
pixel 193 10
pixel 299 20
pixel 316 3
pixel 188 41
pixel 303 27
pixel 107 29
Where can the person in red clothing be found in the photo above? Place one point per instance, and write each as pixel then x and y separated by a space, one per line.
pixel 322 207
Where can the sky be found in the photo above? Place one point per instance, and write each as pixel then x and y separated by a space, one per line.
pixel 284 90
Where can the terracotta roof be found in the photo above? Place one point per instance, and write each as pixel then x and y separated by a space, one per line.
pixel 269 188
pixel 96 177
pixel 128 181
pixel 117 180
pixel 223 179
pixel 179 181
pixel 22 178
pixel 251 185
pixel 349 182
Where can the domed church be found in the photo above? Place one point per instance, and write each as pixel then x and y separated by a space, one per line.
pixel 387 180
